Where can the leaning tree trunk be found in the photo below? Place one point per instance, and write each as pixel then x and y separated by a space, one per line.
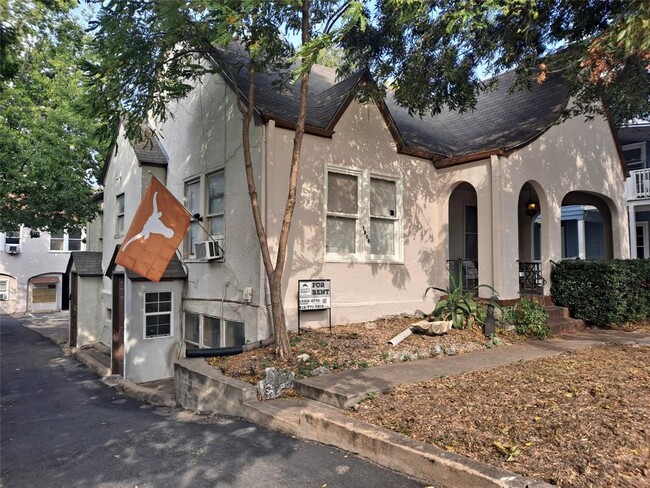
pixel 275 273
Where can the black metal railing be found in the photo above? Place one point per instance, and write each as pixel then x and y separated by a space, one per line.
pixel 531 281
pixel 463 272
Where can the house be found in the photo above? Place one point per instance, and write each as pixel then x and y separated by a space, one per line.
pixel 635 140
pixel 387 204
pixel 32 270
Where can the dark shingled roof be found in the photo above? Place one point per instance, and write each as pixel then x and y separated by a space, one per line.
pixel 174 271
pixel 500 120
pixel 149 150
pixel 86 263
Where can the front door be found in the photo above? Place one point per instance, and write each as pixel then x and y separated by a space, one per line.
pixel 117 349
pixel 73 309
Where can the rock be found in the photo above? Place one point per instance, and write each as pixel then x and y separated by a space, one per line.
pixel 274 384
pixel 371 326
pixel 303 358
pixel 437 327
pixel 419 314
pixel 508 327
pixel 437 349
pixel 320 371
pixel 451 351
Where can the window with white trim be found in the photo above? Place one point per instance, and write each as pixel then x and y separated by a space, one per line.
pixel 192 197
pixel 4 290
pixel 158 314
pixel 205 331
pixel 205 196
pixel 119 218
pixel 635 156
pixel 363 216
pixel 67 241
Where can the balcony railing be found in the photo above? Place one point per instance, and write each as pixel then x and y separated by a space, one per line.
pixel 638 184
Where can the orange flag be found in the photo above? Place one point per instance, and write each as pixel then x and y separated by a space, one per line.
pixel 155 233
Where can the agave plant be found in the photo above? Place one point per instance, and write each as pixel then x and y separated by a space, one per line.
pixel 460 306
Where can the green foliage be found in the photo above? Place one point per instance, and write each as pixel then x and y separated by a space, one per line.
pixel 528 317
pixel 603 292
pixel 49 146
pixel 435 59
pixel 460 306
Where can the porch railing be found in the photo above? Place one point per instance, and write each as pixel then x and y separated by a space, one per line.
pixel 531 281
pixel 463 272
pixel 638 184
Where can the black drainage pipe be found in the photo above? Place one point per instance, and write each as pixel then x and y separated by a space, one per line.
pixel 209 353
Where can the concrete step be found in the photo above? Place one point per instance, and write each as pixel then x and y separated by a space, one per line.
pixel 555 312
pixel 565 326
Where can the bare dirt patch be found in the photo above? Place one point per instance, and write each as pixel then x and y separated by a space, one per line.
pixel 577 420
pixel 357 346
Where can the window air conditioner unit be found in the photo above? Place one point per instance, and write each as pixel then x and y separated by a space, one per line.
pixel 3 296
pixel 12 248
pixel 209 250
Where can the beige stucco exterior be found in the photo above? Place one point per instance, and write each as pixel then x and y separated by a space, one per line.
pixel 204 136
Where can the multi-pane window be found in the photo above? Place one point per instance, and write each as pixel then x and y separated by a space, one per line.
pixel 363 216
pixel 205 331
pixel 66 241
pixel 342 213
pixel 193 204
pixel 383 216
pixel 12 237
pixel 4 290
pixel 158 314
pixel 216 203
pixel 119 219
pixel 471 232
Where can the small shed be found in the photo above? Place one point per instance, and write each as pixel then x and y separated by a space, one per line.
pixel 86 322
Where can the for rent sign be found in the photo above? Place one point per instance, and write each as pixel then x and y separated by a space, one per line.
pixel 314 294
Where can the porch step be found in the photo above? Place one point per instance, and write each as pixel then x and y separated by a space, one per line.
pixel 560 322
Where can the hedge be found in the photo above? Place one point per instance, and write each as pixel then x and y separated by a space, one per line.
pixel 603 292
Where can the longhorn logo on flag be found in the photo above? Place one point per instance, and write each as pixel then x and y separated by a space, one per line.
pixel 156 231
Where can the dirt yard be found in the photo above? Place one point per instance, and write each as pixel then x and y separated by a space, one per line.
pixel 580 419
pixel 577 420
pixel 358 346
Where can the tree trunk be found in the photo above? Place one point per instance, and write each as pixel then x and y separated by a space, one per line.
pixel 275 273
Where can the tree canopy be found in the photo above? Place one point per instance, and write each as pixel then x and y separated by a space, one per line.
pixel 49 147
pixel 436 53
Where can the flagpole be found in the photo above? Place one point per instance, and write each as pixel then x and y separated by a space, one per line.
pixel 193 216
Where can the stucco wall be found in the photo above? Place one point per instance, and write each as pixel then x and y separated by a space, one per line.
pixel 35 259
pixel 203 137
pixel 360 290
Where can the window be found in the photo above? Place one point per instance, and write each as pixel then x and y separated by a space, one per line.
pixel 216 203
pixel 205 196
pixel 158 314
pixel 12 237
pixel 119 222
pixel 67 241
pixel 471 232
pixel 634 155
pixel 204 331
pixel 4 290
pixel 363 216
pixel 193 204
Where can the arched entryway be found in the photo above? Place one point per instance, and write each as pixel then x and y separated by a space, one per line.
pixel 586 227
pixel 529 218
pixel 463 236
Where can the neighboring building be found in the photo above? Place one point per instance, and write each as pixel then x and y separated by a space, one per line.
pixel 32 270
pixel 635 140
pixel 386 204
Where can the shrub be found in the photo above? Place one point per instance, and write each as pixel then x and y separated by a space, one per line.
pixel 528 317
pixel 603 292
